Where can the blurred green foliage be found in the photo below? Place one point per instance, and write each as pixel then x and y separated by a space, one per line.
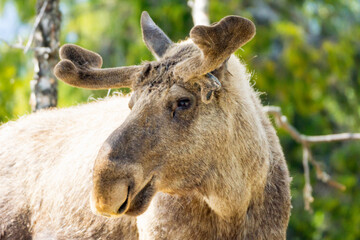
pixel 305 57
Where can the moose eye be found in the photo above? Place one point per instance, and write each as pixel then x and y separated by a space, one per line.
pixel 180 105
pixel 183 103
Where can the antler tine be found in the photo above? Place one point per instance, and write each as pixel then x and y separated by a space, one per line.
pixel 82 68
pixel 216 42
pixel 80 55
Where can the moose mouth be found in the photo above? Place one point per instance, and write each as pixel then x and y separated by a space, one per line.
pixel 141 201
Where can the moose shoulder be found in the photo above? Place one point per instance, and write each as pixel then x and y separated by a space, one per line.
pixel 195 158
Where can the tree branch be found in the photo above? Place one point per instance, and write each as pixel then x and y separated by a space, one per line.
pixel 308 198
pixel 39 50
pixel 16 45
pixel 305 141
pixel 36 24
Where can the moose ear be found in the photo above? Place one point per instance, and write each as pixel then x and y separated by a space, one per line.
pixel 154 38
pixel 216 42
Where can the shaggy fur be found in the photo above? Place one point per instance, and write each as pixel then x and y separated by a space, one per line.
pixel 196 158
pixel 46 161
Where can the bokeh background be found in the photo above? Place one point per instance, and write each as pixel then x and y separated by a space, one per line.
pixel 305 58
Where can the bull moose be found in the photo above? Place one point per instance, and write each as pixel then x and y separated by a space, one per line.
pixel 190 155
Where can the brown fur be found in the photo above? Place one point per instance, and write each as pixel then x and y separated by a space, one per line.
pixel 212 170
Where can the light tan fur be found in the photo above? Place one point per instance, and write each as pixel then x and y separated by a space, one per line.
pixel 195 158
pixel 46 162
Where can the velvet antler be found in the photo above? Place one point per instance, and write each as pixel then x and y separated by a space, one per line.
pixel 217 43
pixel 82 68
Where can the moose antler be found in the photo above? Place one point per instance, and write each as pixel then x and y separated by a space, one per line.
pixel 217 43
pixel 82 68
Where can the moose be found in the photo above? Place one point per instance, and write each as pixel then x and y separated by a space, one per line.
pixel 190 155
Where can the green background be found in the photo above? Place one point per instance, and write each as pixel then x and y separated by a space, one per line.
pixel 305 58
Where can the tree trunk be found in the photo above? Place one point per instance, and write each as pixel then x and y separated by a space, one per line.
pixel 200 12
pixel 44 84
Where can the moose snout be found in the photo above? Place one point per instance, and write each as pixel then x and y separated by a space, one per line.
pixel 117 174
pixel 110 201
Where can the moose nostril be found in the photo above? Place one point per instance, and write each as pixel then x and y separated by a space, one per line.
pixel 111 199
pixel 124 205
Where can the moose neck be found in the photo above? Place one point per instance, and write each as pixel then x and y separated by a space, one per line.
pixel 241 171
pixel 238 182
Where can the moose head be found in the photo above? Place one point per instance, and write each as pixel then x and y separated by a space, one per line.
pixel 190 126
